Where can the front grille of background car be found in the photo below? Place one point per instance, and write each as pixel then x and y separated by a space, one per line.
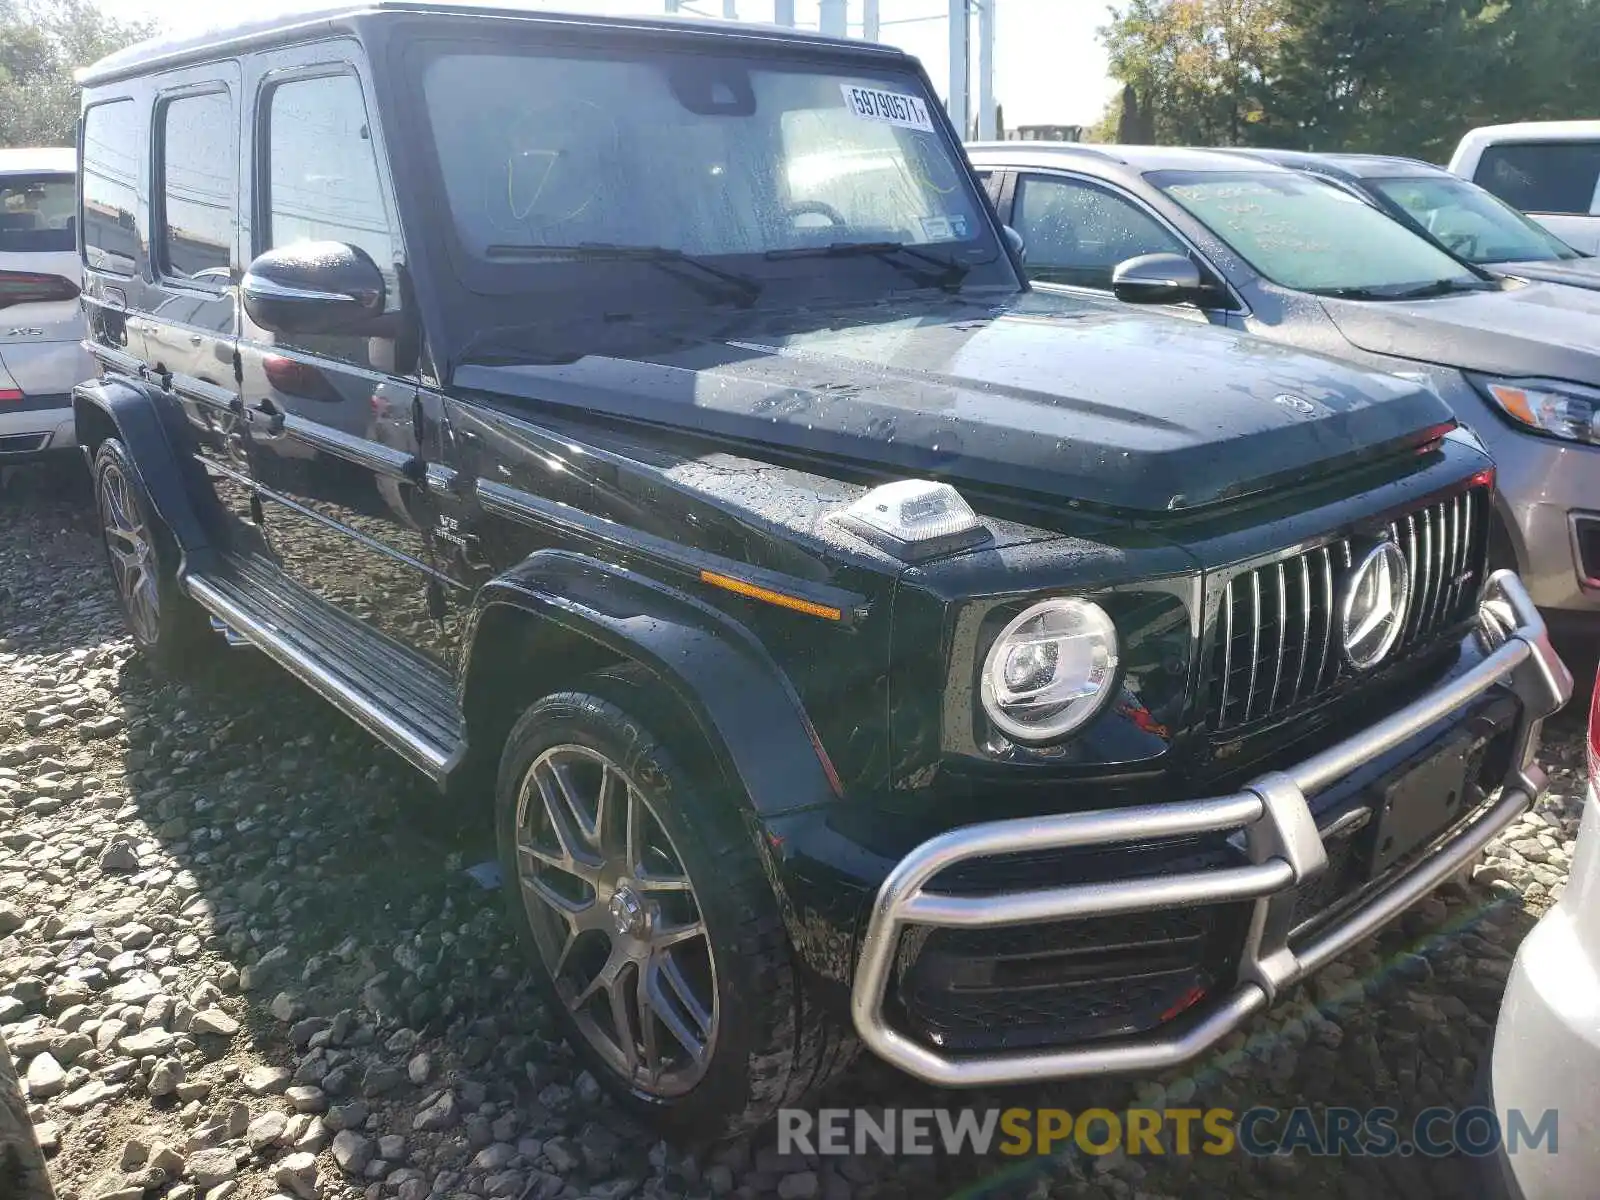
pixel 1277 641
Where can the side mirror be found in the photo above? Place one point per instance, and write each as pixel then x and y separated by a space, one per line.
pixel 1014 240
pixel 1156 279
pixel 315 288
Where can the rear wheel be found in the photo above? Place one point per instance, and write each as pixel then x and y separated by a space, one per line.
pixel 656 934
pixel 166 625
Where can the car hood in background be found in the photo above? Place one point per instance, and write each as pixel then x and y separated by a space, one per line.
pixel 1066 398
pixel 1536 329
pixel 1574 272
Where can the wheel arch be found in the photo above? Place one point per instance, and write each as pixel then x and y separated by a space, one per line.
pixel 559 616
pixel 129 411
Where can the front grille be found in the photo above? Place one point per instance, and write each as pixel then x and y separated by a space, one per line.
pixel 1277 645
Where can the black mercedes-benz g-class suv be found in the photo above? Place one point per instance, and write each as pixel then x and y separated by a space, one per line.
pixel 646 425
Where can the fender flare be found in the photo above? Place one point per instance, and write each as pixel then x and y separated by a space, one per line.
pixel 744 705
pixel 135 409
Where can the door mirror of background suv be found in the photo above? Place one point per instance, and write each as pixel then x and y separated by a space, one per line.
pixel 1157 279
pixel 1014 240
pixel 315 288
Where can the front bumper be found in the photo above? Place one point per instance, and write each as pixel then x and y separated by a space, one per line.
pixel 1284 850
pixel 1551 493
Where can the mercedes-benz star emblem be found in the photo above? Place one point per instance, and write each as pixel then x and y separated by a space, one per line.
pixel 1373 612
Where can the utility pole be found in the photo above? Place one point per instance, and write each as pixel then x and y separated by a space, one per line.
pixel 783 13
pixel 833 17
pixel 869 20
pixel 730 9
pixel 957 104
pixel 986 122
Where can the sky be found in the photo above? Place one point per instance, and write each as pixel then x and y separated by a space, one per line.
pixel 1049 67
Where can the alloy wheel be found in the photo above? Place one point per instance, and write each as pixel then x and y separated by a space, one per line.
pixel 133 559
pixel 616 920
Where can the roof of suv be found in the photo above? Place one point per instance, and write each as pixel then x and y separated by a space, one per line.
pixel 163 52
pixel 1114 159
pixel 1349 166
pixel 39 159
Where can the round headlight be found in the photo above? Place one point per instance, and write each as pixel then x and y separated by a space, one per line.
pixel 1050 670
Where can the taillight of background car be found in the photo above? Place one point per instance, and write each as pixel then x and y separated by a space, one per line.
pixel 31 287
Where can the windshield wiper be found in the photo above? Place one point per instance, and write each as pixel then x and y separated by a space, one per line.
pixel 1434 287
pixel 950 273
pixel 745 290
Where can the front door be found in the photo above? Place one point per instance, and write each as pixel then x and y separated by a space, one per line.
pixel 336 422
pixel 1077 231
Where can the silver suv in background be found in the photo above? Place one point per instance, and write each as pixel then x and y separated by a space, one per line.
pixel 1548 169
pixel 41 324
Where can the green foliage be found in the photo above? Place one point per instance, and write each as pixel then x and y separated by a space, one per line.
pixel 41 43
pixel 1400 76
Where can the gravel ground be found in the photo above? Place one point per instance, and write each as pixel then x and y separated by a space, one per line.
pixel 240 956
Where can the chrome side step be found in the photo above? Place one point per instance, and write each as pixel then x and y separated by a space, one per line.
pixel 229 634
pixel 400 697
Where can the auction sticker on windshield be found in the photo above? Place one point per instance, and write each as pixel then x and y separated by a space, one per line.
pixel 892 107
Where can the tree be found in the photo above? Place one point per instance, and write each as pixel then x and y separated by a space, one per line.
pixel 1196 68
pixel 1396 76
pixel 41 43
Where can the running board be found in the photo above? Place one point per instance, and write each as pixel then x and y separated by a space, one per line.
pixel 397 695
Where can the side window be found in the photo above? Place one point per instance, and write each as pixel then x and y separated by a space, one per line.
pixel 195 148
pixel 1077 233
pixel 991 184
pixel 321 171
pixel 112 139
pixel 1542 177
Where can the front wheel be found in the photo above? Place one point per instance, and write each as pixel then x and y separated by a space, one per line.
pixel 656 934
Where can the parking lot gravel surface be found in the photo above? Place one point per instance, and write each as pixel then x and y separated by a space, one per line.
pixel 242 956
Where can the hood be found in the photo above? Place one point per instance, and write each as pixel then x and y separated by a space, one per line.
pixel 1069 399
pixel 1574 272
pixel 1535 329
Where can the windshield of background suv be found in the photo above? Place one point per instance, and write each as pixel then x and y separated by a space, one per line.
pixel 543 155
pixel 1472 222
pixel 1305 234
pixel 38 212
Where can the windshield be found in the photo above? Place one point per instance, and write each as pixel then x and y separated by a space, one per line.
pixel 38 212
pixel 542 155
pixel 1472 223
pixel 1309 235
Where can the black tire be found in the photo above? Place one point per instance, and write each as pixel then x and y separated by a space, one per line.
pixel 772 1047
pixel 178 636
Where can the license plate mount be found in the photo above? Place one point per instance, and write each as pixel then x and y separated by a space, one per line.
pixel 1415 807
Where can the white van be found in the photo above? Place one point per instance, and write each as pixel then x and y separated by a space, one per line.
pixel 1548 169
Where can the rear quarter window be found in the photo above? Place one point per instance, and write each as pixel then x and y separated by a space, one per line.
pixel 113 141
pixel 1542 177
pixel 38 212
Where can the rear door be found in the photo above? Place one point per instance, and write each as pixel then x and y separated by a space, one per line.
pixel 41 324
pixel 1556 183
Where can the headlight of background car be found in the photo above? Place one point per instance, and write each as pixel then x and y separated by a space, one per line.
pixel 1050 670
pixel 1565 410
